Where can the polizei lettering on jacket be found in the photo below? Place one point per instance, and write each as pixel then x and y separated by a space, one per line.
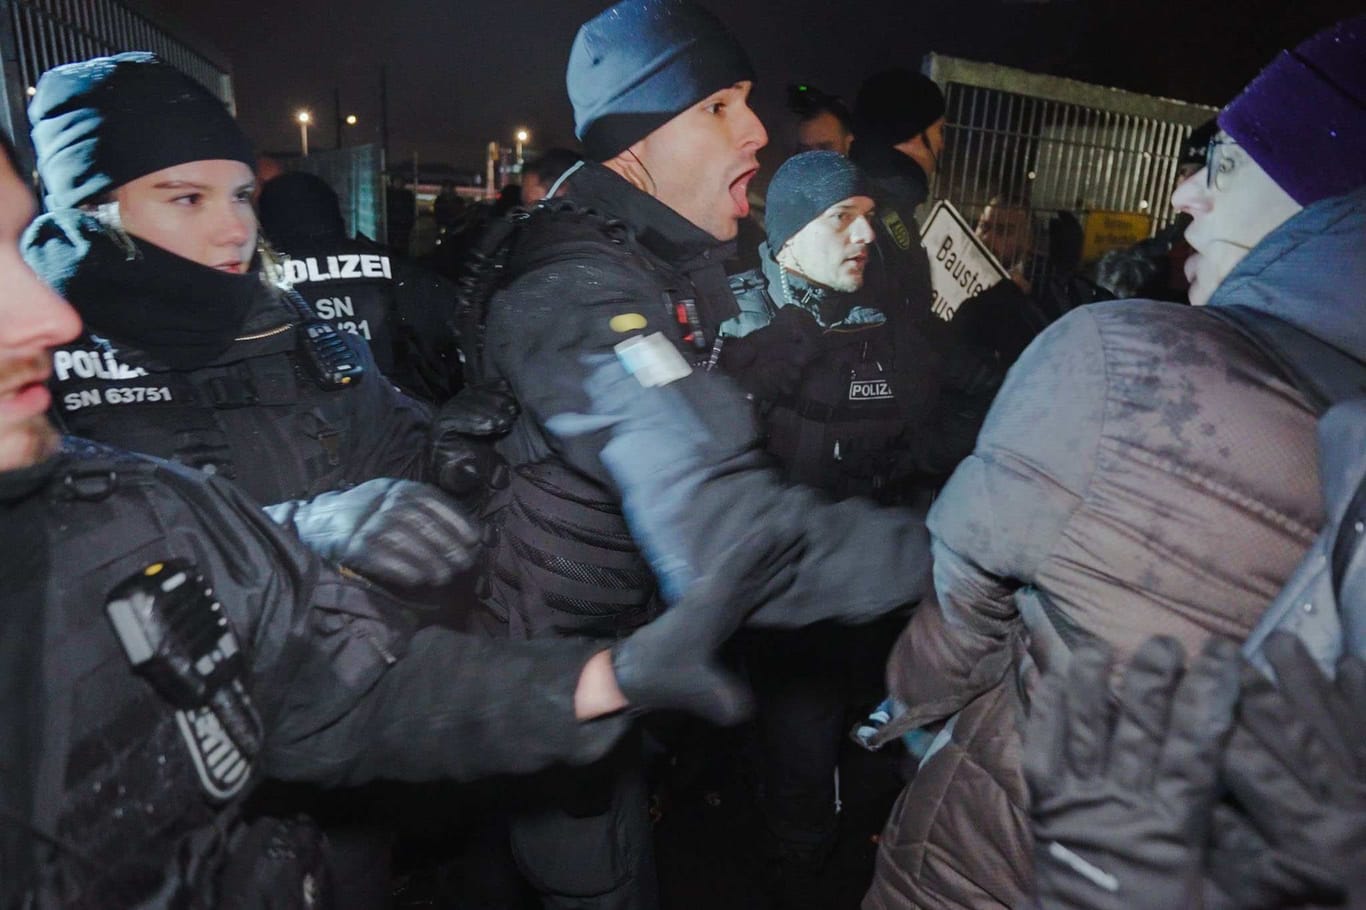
pixel 870 390
pixel 340 267
pixel 69 364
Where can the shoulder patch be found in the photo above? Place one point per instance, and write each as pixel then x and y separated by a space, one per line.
pixel 901 235
pixel 627 322
pixel 652 360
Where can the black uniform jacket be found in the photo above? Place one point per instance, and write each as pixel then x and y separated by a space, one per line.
pixel 255 413
pixel 606 345
pixel 110 796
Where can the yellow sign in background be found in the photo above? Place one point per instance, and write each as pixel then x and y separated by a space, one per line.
pixel 1107 231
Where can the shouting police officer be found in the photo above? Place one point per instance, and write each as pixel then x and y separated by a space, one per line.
pixel 628 440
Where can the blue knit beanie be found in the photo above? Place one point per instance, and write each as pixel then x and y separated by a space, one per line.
pixel 804 187
pixel 640 63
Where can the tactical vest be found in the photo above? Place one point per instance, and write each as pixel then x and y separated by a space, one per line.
pixel 141 780
pixel 842 430
pixel 563 561
pixel 261 421
pixel 352 290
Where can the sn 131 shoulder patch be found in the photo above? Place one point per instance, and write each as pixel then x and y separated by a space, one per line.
pixel 652 359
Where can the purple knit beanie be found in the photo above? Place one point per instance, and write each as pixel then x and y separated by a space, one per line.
pixel 1303 119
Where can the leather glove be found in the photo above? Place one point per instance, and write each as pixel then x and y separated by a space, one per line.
pixel 1296 762
pixel 768 362
pixel 462 458
pixel 396 532
pixel 671 663
pixel 1122 795
pixel 487 409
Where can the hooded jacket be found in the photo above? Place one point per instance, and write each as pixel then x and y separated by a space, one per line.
pixel 1146 469
pixel 240 398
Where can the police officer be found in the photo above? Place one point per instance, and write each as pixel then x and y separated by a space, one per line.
pixel 402 310
pixel 821 362
pixel 193 351
pixel 629 447
pixel 166 646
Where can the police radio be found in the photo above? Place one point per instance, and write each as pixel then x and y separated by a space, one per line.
pixel 331 360
pixel 177 638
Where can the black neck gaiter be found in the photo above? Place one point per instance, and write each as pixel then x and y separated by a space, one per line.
pixel 178 312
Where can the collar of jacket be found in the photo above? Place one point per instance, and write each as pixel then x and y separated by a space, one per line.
pixel 657 227
pixel 1310 272
pixel 896 177
pixel 178 313
pixel 829 307
pixel 663 232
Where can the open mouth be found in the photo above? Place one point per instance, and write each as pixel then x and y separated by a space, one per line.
pixel 739 192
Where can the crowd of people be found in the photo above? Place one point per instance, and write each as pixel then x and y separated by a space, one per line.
pixel 285 514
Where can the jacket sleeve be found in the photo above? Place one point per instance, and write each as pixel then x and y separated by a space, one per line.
pixel 1000 517
pixel 391 428
pixel 348 692
pixel 683 455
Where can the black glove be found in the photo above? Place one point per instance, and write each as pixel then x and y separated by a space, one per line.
pixel 1296 762
pixel 487 409
pixel 1122 795
pixel 768 362
pixel 671 663
pixel 463 460
pixel 396 532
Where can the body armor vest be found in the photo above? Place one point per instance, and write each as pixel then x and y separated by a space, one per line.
pixel 840 431
pixel 351 289
pixel 260 421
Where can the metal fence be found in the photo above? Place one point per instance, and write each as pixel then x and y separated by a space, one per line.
pixel 36 35
pixel 1056 145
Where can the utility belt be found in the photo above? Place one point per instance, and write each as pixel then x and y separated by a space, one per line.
pixel 562 561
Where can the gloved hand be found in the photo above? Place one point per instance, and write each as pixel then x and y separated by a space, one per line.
pixel 1122 796
pixel 671 663
pixel 396 532
pixel 768 362
pixel 1243 872
pixel 1297 761
pixel 463 461
pixel 486 409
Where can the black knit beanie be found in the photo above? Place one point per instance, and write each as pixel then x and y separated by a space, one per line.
pixel 804 187
pixel 100 123
pixel 637 65
pixel 297 209
pixel 896 105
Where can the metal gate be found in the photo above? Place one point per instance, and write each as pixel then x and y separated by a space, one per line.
pixel 36 35
pixel 1051 145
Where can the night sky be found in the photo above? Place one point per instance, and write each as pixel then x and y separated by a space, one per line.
pixel 463 73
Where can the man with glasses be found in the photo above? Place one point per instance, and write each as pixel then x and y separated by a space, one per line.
pixel 1147 468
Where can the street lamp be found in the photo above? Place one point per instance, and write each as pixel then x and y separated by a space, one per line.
pixel 522 136
pixel 304 118
pixel 350 119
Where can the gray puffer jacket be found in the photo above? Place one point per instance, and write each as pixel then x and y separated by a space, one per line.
pixel 1145 469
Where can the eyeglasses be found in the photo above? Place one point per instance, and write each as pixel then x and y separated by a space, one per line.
pixel 1218 166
